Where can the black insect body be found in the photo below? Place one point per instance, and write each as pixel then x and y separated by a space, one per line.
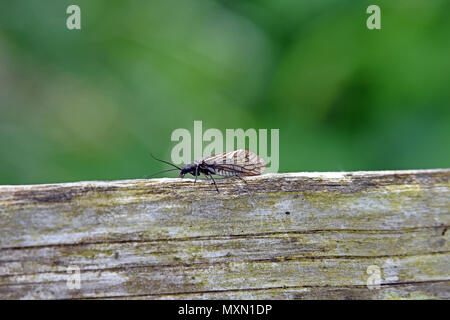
pixel 236 163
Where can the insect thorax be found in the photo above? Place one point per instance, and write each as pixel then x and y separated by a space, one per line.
pixel 189 168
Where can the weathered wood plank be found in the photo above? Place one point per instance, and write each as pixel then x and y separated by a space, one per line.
pixel 284 236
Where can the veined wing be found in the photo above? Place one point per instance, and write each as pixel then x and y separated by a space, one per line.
pixel 235 163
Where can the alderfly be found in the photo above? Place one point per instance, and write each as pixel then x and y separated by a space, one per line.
pixel 238 163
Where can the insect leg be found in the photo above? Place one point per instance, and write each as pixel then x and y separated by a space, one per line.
pixel 242 179
pixel 209 176
pixel 196 174
pixel 215 184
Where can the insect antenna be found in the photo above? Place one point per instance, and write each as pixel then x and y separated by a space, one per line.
pixel 162 171
pixel 165 162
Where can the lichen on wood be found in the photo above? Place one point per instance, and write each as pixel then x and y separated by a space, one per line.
pixel 281 236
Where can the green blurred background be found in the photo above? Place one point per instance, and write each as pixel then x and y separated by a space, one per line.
pixel 92 104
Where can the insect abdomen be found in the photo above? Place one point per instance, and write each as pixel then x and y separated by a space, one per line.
pixel 224 173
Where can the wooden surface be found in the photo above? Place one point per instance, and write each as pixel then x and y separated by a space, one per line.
pixel 284 236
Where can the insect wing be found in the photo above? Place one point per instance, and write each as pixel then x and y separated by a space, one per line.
pixel 239 162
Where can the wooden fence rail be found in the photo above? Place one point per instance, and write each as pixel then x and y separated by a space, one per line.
pixel 340 235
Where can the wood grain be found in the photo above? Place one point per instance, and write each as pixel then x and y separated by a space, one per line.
pixel 282 236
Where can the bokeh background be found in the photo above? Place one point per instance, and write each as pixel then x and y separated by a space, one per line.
pixel 92 104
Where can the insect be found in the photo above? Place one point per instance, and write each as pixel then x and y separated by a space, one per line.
pixel 236 163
